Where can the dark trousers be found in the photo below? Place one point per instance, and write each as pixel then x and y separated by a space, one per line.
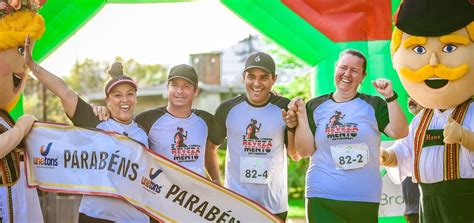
pixel 86 219
pixel 282 215
pixel 412 218
pixel 321 210
pixel 447 202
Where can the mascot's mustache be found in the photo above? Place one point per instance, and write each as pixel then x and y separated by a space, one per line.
pixel 440 71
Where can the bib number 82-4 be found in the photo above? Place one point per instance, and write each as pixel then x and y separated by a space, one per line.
pixel 254 174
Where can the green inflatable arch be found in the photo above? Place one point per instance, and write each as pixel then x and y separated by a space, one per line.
pixel 299 26
pixel 293 24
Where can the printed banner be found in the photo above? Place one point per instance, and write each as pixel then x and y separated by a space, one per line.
pixel 391 201
pixel 70 159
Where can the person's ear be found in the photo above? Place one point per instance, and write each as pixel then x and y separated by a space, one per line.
pixel 196 91
pixel 107 102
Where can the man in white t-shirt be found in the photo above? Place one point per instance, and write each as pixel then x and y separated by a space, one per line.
pixel 254 125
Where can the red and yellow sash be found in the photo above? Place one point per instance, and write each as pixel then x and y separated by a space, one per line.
pixel 451 151
pixel 10 164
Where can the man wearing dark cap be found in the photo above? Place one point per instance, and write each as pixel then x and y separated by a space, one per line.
pixel 184 135
pixel 254 125
pixel 433 53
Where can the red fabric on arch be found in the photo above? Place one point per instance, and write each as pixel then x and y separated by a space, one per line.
pixel 346 20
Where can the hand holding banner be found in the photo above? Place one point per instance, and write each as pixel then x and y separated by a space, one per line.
pixel 70 159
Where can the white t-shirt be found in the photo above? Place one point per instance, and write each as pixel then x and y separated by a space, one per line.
pixel 256 161
pixel 432 156
pixel 345 165
pixel 109 208
pixel 181 140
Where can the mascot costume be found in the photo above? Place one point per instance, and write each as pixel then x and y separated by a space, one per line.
pixel 18 18
pixel 433 54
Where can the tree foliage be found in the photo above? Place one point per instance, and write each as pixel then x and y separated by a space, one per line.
pixel 91 74
pixel 144 74
pixel 86 76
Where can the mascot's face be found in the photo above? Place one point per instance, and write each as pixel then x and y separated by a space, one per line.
pixel 438 72
pixel 12 76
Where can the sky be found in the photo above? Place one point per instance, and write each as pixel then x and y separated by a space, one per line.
pixel 162 33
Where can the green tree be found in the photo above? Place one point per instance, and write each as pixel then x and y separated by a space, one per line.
pixel 86 76
pixel 144 74
pixel 33 103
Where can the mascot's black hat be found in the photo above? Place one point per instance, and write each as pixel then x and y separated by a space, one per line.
pixel 434 17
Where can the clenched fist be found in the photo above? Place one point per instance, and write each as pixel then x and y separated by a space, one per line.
pixel 454 133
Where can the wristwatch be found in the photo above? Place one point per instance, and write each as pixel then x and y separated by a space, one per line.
pixel 392 98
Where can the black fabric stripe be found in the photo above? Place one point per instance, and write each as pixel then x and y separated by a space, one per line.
pixel 381 110
pixel 209 119
pixel 222 112
pixel 84 115
pixel 311 106
pixel 148 118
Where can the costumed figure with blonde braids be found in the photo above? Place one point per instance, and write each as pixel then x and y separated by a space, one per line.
pixel 433 53
pixel 18 18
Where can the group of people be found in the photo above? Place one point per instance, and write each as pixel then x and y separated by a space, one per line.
pixel 340 132
pixel 432 52
pixel 251 170
pixel 343 181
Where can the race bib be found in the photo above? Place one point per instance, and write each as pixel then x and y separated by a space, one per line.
pixel 350 156
pixel 255 170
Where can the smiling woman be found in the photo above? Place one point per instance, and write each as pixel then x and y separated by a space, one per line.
pixel 341 133
pixel 120 91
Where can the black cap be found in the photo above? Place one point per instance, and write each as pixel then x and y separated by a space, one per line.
pixel 184 71
pixel 434 17
pixel 262 61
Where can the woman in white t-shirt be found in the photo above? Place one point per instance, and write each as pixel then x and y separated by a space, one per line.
pixel 121 99
pixel 341 133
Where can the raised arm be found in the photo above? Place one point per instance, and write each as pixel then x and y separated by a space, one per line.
pixel 291 122
pixel 398 126
pixel 304 139
pixel 11 138
pixel 52 82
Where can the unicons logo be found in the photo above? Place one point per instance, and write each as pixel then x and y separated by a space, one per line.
pixel 44 160
pixel 148 183
pixel 155 174
pixel 45 152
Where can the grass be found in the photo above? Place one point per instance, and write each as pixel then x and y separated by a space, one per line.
pixel 296 208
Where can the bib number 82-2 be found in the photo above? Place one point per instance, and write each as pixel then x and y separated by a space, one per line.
pixel 254 174
pixel 349 159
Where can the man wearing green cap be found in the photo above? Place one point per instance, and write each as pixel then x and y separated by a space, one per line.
pixel 433 53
